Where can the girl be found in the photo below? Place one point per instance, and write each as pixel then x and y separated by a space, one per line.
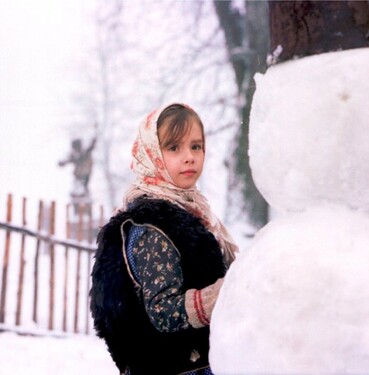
pixel 162 258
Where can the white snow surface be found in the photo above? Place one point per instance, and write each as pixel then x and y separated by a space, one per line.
pixel 309 131
pixel 69 355
pixel 297 302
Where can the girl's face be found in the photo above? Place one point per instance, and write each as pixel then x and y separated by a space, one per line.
pixel 184 159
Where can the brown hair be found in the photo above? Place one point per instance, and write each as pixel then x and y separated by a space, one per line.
pixel 177 117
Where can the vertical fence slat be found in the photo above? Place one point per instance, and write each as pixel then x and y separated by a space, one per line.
pixel 66 269
pixel 22 263
pixel 6 259
pixel 52 267
pixel 78 271
pixel 90 235
pixel 40 219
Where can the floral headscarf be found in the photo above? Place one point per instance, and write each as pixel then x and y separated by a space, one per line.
pixel 153 180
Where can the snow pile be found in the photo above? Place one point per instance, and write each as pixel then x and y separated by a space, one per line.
pixel 297 301
pixel 309 131
pixel 290 300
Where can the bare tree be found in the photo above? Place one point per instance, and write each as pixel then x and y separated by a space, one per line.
pixel 103 99
pixel 246 34
pixel 141 62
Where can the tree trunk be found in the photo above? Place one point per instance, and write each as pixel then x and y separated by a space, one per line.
pixel 305 28
pixel 246 37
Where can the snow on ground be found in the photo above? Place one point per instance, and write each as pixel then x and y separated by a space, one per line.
pixel 69 355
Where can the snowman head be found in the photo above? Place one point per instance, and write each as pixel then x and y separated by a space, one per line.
pixel 309 131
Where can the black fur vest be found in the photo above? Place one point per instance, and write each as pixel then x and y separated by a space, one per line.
pixel 118 313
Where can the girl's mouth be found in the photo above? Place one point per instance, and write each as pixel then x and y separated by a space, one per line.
pixel 188 172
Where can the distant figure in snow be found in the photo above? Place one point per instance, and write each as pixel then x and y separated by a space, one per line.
pixel 82 160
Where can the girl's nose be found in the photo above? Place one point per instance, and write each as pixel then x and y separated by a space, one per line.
pixel 189 159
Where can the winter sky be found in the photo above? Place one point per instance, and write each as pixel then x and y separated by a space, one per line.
pixel 40 42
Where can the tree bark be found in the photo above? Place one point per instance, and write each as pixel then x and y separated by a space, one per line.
pixel 305 28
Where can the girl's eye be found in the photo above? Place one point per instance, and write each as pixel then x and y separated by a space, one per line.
pixel 173 148
pixel 197 147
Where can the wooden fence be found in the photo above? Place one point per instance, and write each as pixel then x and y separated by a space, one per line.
pixel 46 265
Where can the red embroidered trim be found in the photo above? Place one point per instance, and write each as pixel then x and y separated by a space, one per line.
pixel 200 308
pixel 207 321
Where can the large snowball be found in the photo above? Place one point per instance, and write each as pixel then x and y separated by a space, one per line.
pixel 309 131
pixel 297 302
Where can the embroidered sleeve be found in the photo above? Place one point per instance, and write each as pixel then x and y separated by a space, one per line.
pixel 161 279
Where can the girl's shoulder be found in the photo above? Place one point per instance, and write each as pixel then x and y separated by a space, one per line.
pixel 147 203
pixel 160 211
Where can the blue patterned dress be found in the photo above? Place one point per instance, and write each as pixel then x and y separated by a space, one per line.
pixel 155 264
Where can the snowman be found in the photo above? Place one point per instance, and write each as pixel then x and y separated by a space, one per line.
pixel 296 301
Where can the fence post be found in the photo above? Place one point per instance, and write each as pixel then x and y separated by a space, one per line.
pixel 78 273
pixel 66 257
pixel 52 266
pixel 37 255
pixel 5 260
pixel 21 266
pixel 89 255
